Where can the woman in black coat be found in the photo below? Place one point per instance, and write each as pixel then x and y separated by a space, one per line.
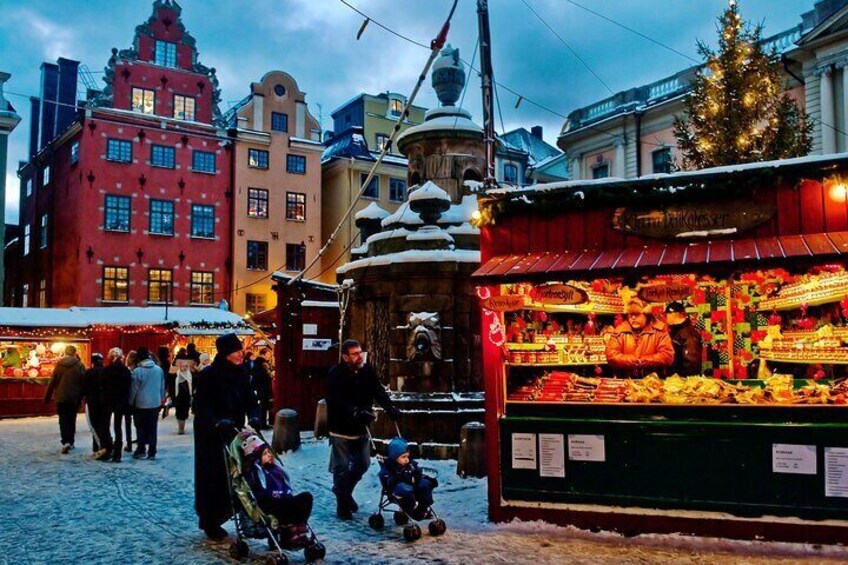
pixel 224 400
pixel 117 381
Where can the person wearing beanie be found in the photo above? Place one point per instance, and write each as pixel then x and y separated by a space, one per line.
pixel 685 339
pixel 402 477
pixel 223 403
pixel 67 384
pixel 639 345
pixel 271 485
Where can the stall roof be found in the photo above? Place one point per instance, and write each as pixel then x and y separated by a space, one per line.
pixel 81 317
pixel 664 257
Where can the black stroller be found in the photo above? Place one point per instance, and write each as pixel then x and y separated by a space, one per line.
pixel 253 523
pixel 410 523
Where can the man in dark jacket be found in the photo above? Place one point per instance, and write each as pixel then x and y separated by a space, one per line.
pixel 93 392
pixel 352 389
pixel 685 339
pixel 261 373
pixel 67 383
pixel 117 381
pixel 223 401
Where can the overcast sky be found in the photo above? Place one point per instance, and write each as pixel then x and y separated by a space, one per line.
pixel 315 42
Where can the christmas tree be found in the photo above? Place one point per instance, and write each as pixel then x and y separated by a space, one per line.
pixel 738 110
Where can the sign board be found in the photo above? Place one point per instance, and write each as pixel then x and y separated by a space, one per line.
pixel 507 303
pixel 310 329
pixel 586 448
pixel 552 455
pixel 693 220
pixel 316 344
pixel 664 292
pixel 523 451
pixel 558 294
pixel 793 459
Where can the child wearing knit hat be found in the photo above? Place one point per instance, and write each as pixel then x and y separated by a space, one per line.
pixel 405 480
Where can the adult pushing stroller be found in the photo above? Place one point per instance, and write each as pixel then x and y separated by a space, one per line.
pixel 254 523
pixel 406 489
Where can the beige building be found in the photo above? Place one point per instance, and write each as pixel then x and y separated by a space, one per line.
pixel 630 134
pixel 277 189
pixel 376 114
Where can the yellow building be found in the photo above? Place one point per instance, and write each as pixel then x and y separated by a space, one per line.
pixel 376 114
pixel 277 189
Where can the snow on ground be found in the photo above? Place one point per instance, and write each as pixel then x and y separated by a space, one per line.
pixel 69 509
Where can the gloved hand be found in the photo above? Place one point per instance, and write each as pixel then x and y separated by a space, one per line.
pixel 394 412
pixel 226 429
pixel 364 417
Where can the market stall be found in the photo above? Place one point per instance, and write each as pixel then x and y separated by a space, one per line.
pixel 33 339
pixel 751 440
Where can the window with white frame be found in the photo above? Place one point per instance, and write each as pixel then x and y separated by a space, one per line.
pixel 397 190
pixel 117 211
pixel 257 203
pixel 143 100
pixel 373 188
pixel 26 239
pixel 202 287
pixel 257 158
pixel 184 107
pixel 295 206
pixel 202 221
pixel 510 173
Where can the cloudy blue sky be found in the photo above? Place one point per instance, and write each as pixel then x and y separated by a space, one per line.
pixel 315 41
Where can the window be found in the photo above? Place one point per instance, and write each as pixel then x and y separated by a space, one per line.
pixel 42 293
pixel 45 175
pixel 295 256
pixel 119 150
pixel 396 107
pixel 279 121
pixel 203 162
pixel 257 203
pixel 143 100
pixel 257 158
pixel 74 152
pixel 202 286
pixel 510 173
pixel 159 285
pixel 42 241
pixel 26 239
pixel 373 189
pixel 163 156
pixel 116 284
pixel 279 90
pixel 183 107
pixel 397 190
pixel 296 164
pixel 202 221
pixel 661 159
pixel 255 303
pixel 28 184
pixel 601 171
pixel 257 255
pixel 161 217
pixel 165 54
pixel 25 295
pixel 117 213
pixel 382 140
pixel 295 206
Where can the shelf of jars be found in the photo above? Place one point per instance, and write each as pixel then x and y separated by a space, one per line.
pixel 815 290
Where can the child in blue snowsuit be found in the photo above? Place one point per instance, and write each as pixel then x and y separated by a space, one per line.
pixel 271 484
pixel 404 479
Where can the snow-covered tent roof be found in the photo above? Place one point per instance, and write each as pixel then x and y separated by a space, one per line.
pixel 371 212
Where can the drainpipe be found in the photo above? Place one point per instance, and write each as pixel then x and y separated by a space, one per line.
pixel 637 116
pixel 785 61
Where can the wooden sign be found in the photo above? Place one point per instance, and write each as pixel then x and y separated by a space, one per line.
pixel 693 220
pixel 560 294
pixel 507 303
pixel 664 292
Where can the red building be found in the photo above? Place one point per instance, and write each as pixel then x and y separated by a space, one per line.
pixel 126 198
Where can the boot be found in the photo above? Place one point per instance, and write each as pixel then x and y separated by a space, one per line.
pixel 181 427
pixel 116 453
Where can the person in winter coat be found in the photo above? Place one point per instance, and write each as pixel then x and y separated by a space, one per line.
pixel 223 402
pixel 640 345
pixel 352 389
pixel 193 354
pixel 67 383
pixel 93 391
pixel 271 485
pixel 405 480
pixel 117 382
pixel 262 385
pixel 146 397
pixel 686 341
pixel 183 388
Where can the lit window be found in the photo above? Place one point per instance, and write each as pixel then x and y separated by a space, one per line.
pixel 373 189
pixel 117 213
pixel 255 303
pixel 202 221
pixel 382 141
pixel 116 284
pixel 661 160
pixel 257 158
pixel 257 203
pixel 43 236
pixel 159 285
pixel 42 293
pixel 510 173
pixel 279 121
pixel 296 164
pixel 143 100
pixel 161 217
pixel 183 107
pixel 295 256
pixel 203 162
pixel 257 255
pixel 25 295
pixel 74 152
pixel 295 206
pixel 163 156
pixel 202 286
pixel 45 175
pixel 26 239
pixel 397 190
pixel 165 54
pixel 119 150
pixel 396 107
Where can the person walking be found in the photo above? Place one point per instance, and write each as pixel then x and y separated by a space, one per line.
pixel 263 386
pixel 146 397
pixel 182 387
pixel 352 389
pixel 101 439
pixel 132 363
pixel 117 383
pixel 67 384
pixel 223 402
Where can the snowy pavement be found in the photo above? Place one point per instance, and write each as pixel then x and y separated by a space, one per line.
pixel 69 509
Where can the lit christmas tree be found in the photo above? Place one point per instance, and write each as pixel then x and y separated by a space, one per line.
pixel 738 111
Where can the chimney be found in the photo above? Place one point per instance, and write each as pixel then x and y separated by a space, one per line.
pixel 34 115
pixel 536 131
pixel 67 94
pixel 49 93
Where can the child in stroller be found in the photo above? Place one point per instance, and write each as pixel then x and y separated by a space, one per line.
pixel 404 484
pixel 271 510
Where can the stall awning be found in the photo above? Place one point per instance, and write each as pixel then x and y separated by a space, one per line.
pixel 665 257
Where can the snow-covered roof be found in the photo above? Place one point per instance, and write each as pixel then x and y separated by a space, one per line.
pixel 285 277
pixel 428 191
pixel 435 234
pixel 443 119
pixel 456 214
pixel 371 212
pixel 414 256
pixel 538 150
pixel 82 317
